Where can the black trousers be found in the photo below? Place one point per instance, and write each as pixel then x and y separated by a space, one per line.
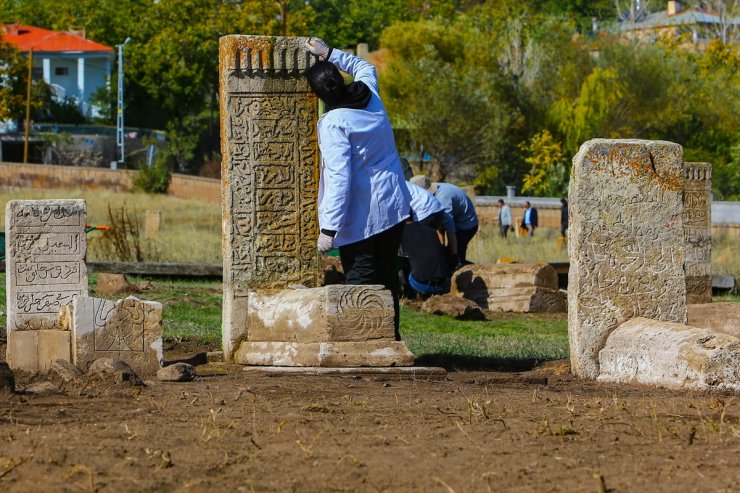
pixel 373 261
pixel 463 238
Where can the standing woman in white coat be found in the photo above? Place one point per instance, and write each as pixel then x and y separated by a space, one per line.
pixel 363 199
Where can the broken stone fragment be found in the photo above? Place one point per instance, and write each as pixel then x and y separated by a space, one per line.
pixel 65 370
pixel 41 389
pixel 670 355
pixel 113 285
pixel 178 372
pixel 129 330
pixel 453 306
pixel 114 371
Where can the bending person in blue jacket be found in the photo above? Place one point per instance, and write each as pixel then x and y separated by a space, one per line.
pixel 363 200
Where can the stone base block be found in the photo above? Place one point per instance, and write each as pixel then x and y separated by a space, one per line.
pixel 387 373
pixel 328 314
pixel 37 350
pixel 327 354
pixel 129 330
pixel 720 317
pixel 670 355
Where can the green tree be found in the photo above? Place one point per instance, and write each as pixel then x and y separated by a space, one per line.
pixel 548 174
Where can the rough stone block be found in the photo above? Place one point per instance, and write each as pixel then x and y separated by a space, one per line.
pixel 269 172
pixel 129 330
pixel 528 287
pixel 326 354
pixel 697 228
pixel 625 242
pixel 37 350
pixel 670 355
pixel 720 317
pixel 453 306
pixel 109 284
pixel 328 314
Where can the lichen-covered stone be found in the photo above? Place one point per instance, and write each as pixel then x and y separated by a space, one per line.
pixel 269 172
pixel 625 242
pixel 670 355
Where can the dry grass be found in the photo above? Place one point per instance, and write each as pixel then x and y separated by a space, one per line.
pixel 190 230
pixel 487 246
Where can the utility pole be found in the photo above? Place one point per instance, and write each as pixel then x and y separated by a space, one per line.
pixel 28 106
pixel 119 109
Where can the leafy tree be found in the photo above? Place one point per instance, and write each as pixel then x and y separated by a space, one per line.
pixel 14 75
pixel 548 175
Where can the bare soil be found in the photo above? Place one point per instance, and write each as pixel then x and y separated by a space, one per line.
pixel 476 431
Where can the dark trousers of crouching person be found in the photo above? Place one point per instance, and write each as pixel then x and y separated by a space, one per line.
pixel 373 261
pixel 430 271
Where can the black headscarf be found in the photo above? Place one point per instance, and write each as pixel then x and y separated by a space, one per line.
pixel 356 96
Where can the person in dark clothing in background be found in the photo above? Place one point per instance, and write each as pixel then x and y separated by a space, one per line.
pixel 529 221
pixel 564 217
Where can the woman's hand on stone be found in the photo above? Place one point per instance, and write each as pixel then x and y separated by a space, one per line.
pixel 318 48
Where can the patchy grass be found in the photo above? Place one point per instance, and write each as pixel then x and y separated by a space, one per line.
pixel 509 341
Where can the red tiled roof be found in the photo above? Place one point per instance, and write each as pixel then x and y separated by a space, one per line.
pixel 38 39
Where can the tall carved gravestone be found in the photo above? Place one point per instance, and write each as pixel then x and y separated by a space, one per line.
pixel 625 242
pixel 270 225
pixel 45 270
pixel 697 228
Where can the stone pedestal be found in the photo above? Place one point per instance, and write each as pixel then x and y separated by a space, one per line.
pixel 670 355
pixel 45 270
pixel 270 221
pixel 697 229
pixel 625 242
pixel 510 287
pixel 129 330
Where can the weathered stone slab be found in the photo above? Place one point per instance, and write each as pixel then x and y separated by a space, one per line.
pixel 453 306
pixel 37 350
pixel 720 317
pixel 129 330
pixel 525 287
pixel 45 265
pixel 670 355
pixel 329 314
pixel 269 172
pixel 625 242
pixel 697 228
pixel 328 354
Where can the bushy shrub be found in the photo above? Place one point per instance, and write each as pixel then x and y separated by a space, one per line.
pixel 154 178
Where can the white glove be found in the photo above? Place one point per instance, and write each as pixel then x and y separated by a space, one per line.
pixel 325 243
pixel 318 48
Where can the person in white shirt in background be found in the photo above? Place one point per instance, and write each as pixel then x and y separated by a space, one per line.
pixel 363 200
pixel 504 218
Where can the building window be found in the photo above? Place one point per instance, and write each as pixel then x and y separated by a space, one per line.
pixel 37 73
pixel 61 71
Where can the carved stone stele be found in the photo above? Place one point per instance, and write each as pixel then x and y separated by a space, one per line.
pixel 45 269
pixel 269 172
pixel 625 242
pixel 129 330
pixel 697 229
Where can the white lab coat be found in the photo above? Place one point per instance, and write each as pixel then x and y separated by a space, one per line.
pixel 362 189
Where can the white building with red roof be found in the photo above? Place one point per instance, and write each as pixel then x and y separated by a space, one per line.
pixel 73 65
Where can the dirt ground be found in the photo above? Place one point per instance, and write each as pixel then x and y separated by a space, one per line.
pixel 474 431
